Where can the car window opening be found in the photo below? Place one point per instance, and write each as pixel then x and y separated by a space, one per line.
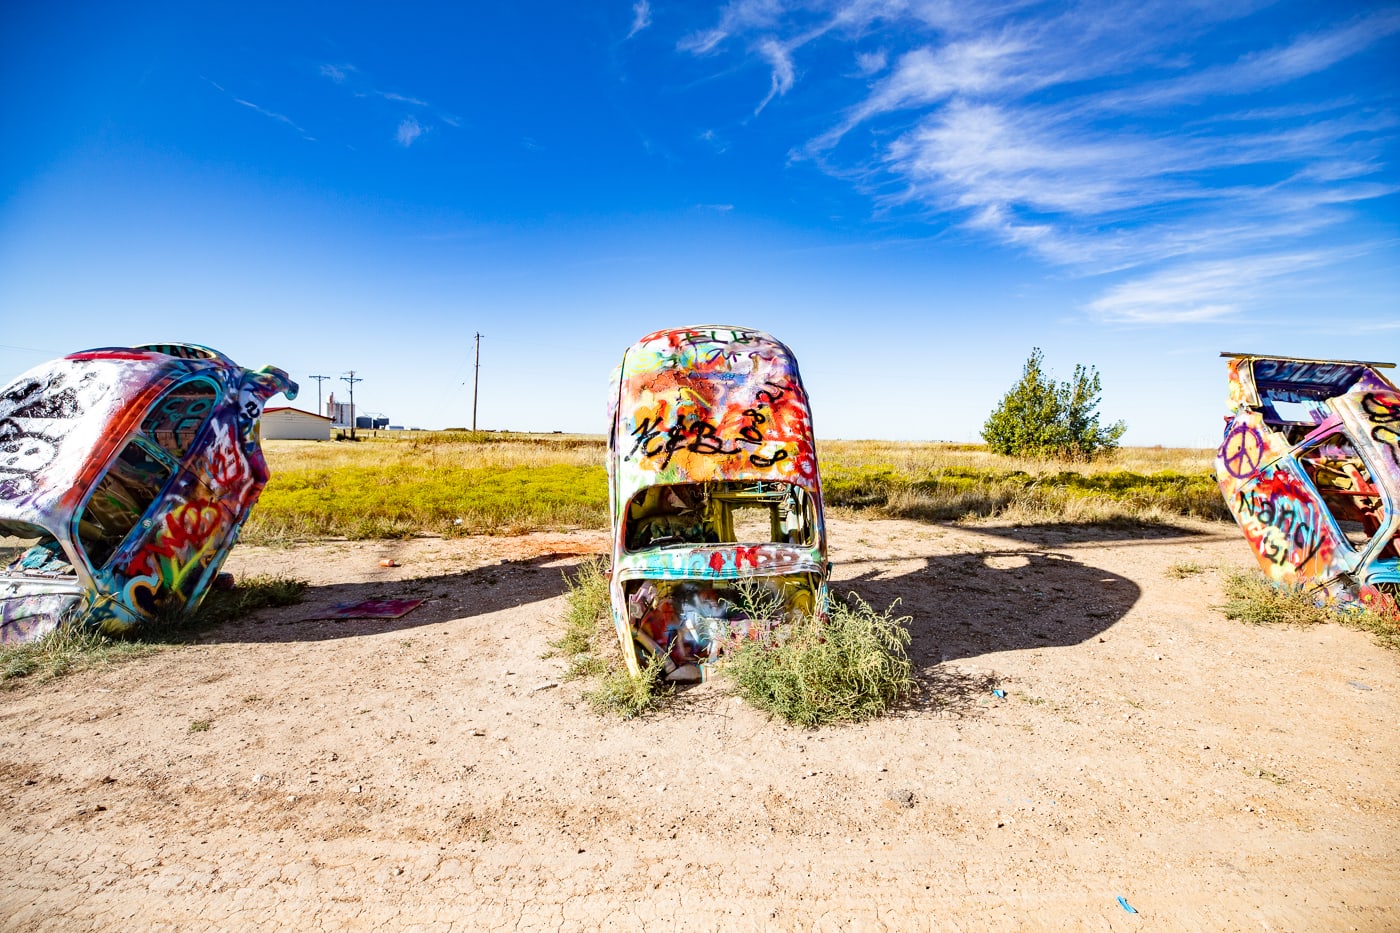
pixel 720 513
pixel 176 420
pixel 27 550
pixel 1347 489
pixel 123 495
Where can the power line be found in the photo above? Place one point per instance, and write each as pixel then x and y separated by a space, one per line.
pixel 352 380
pixel 476 376
pixel 319 380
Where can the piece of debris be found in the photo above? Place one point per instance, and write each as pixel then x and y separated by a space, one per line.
pixel 552 683
pixel 389 562
pixel 1123 903
pixel 1357 685
pixel 368 609
pixel 900 799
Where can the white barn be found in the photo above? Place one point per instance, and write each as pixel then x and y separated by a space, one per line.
pixel 293 424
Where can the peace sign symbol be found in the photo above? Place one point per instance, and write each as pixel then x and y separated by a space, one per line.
pixel 1244 448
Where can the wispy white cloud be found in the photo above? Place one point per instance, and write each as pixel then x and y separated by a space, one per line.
pixel 780 60
pixel 870 63
pixel 1306 55
pixel 1093 136
pixel 402 99
pixel 337 73
pixel 1203 291
pixel 737 16
pixel 408 132
pixel 714 140
pixel 408 126
pixel 641 17
pixel 270 114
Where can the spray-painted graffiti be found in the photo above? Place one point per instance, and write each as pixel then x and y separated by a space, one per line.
pixel 1309 467
pixel 712 476
pixel 140 464
pixel 1285 525
pixel 691 622
pixel 1383 411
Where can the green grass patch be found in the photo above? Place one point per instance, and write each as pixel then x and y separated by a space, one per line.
pixel 587 621
pixel 1251 598
pixel 461 482
pixel 618 692
pixel 1183 569
pixel 401 499
pixel 590 650
pixel 960 493
pixel 65 651
pixel 849 666
pixel 71 648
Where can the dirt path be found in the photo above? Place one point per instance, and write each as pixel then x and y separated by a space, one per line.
pixel 431 773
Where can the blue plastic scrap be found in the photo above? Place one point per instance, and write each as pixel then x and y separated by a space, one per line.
pixel 1123 903
pixel 999 694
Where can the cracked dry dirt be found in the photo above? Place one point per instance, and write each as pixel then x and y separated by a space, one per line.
pixel 431 773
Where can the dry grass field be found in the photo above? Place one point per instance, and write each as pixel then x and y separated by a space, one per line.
pixel 456 483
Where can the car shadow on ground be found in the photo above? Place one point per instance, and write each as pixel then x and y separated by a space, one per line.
pixel 971 604
pixel 474 592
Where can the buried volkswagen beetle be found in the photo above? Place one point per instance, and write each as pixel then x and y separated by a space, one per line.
pixel 125 475
pixel 714 493
pixel 1310 467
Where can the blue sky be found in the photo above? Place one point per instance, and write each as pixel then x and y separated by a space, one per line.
pixel 911 194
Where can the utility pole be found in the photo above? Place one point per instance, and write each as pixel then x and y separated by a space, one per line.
pixel 319 380
pixel 476 377
pixel 350 378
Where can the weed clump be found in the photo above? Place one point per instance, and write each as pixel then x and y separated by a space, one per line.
pixel 1251 598
pixel 627 696
pixel 847 664
pixel 65 650
pixel 587 621
pixel 71 648
pixel 588 645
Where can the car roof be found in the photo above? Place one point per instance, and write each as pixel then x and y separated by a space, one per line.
pixel 62 419
pixel 711 402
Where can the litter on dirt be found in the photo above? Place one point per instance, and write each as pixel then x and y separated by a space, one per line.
pixel 369 609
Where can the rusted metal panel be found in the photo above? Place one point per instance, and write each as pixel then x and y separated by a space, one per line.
pixel 125 475
pixel 1310 467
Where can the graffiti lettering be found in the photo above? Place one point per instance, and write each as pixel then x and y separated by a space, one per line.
pixel 1384 412
pixel 1287 530
pixel 700 437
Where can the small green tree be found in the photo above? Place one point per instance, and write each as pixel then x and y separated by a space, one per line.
pixel 1038 418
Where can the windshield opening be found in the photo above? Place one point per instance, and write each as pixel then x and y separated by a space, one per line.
pixel 720 513
pixel 129 487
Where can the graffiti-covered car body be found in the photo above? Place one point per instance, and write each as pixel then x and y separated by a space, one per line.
pixel 714 494
pixel 125 475
pixel 1310 467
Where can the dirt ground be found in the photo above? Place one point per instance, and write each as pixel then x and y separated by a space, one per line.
pixel 434 773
